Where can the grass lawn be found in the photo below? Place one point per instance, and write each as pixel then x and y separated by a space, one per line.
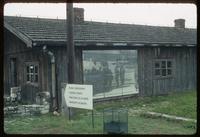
pixel 182 104
pixel 48 124
pixel 177 104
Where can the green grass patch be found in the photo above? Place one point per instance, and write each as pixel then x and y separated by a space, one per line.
pixel 179 104
pixel 182 104
pixel 143 125
pixel 48 124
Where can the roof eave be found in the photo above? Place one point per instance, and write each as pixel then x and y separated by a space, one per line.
pixel 84 43
pixel 20 35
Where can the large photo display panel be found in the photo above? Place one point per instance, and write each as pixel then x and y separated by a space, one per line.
pixel 111 72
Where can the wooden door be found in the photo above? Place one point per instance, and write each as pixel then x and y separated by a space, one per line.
pixel 13 72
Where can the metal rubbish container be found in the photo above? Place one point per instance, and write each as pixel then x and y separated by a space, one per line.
pixel 115 121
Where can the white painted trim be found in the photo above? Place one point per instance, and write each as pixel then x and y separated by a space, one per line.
pixel 119 44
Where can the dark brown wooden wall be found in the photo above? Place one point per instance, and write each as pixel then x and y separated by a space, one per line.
pixel 145 56
pixel 62 68
pixel 184 70
pixel 15 48
pixel 79 66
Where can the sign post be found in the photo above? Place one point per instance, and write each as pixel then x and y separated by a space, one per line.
pixel 92 118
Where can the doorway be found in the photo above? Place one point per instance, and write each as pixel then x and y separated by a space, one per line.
pixel 13 72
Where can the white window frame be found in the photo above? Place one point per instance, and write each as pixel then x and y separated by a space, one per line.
pixel 163 69
pixel 32 72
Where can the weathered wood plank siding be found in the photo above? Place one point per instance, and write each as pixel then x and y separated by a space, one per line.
pixel 162 85
pixel 15 48
pixel 145 71
pixel 79 66
pixel 185 73
pixel 62 69
pixel 184 70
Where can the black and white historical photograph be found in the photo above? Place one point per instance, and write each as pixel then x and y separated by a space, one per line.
pixel 100 68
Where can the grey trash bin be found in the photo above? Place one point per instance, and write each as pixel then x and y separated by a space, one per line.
pixel 115 121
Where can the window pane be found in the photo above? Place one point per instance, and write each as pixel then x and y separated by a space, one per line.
pixel 31 68
pixel 169 64
pixel 32 72
pixel 36 78
pixel 36 69
pixel 157 65
pixel 157 72
pixel 27 77
pixel 27 69
pixel 32 78
pixel 163 72
pixel 169 71
pixel 163 64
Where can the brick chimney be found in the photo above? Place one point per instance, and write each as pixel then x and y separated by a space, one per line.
pixel 179 23
pixel 78 15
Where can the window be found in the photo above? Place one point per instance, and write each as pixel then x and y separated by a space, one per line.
pixel 32 72
pixel 163 67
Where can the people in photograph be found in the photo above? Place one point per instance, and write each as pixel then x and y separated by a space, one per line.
pixel 106 77
pixel 122 74
pixel 109 77
pixel 117 71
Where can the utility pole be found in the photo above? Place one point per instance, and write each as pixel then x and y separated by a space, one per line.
pixel 70 48
pixel 70 43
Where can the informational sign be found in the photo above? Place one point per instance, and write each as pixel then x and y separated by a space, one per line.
pixel 79 96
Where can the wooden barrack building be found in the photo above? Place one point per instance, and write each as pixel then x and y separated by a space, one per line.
pixel 31 44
